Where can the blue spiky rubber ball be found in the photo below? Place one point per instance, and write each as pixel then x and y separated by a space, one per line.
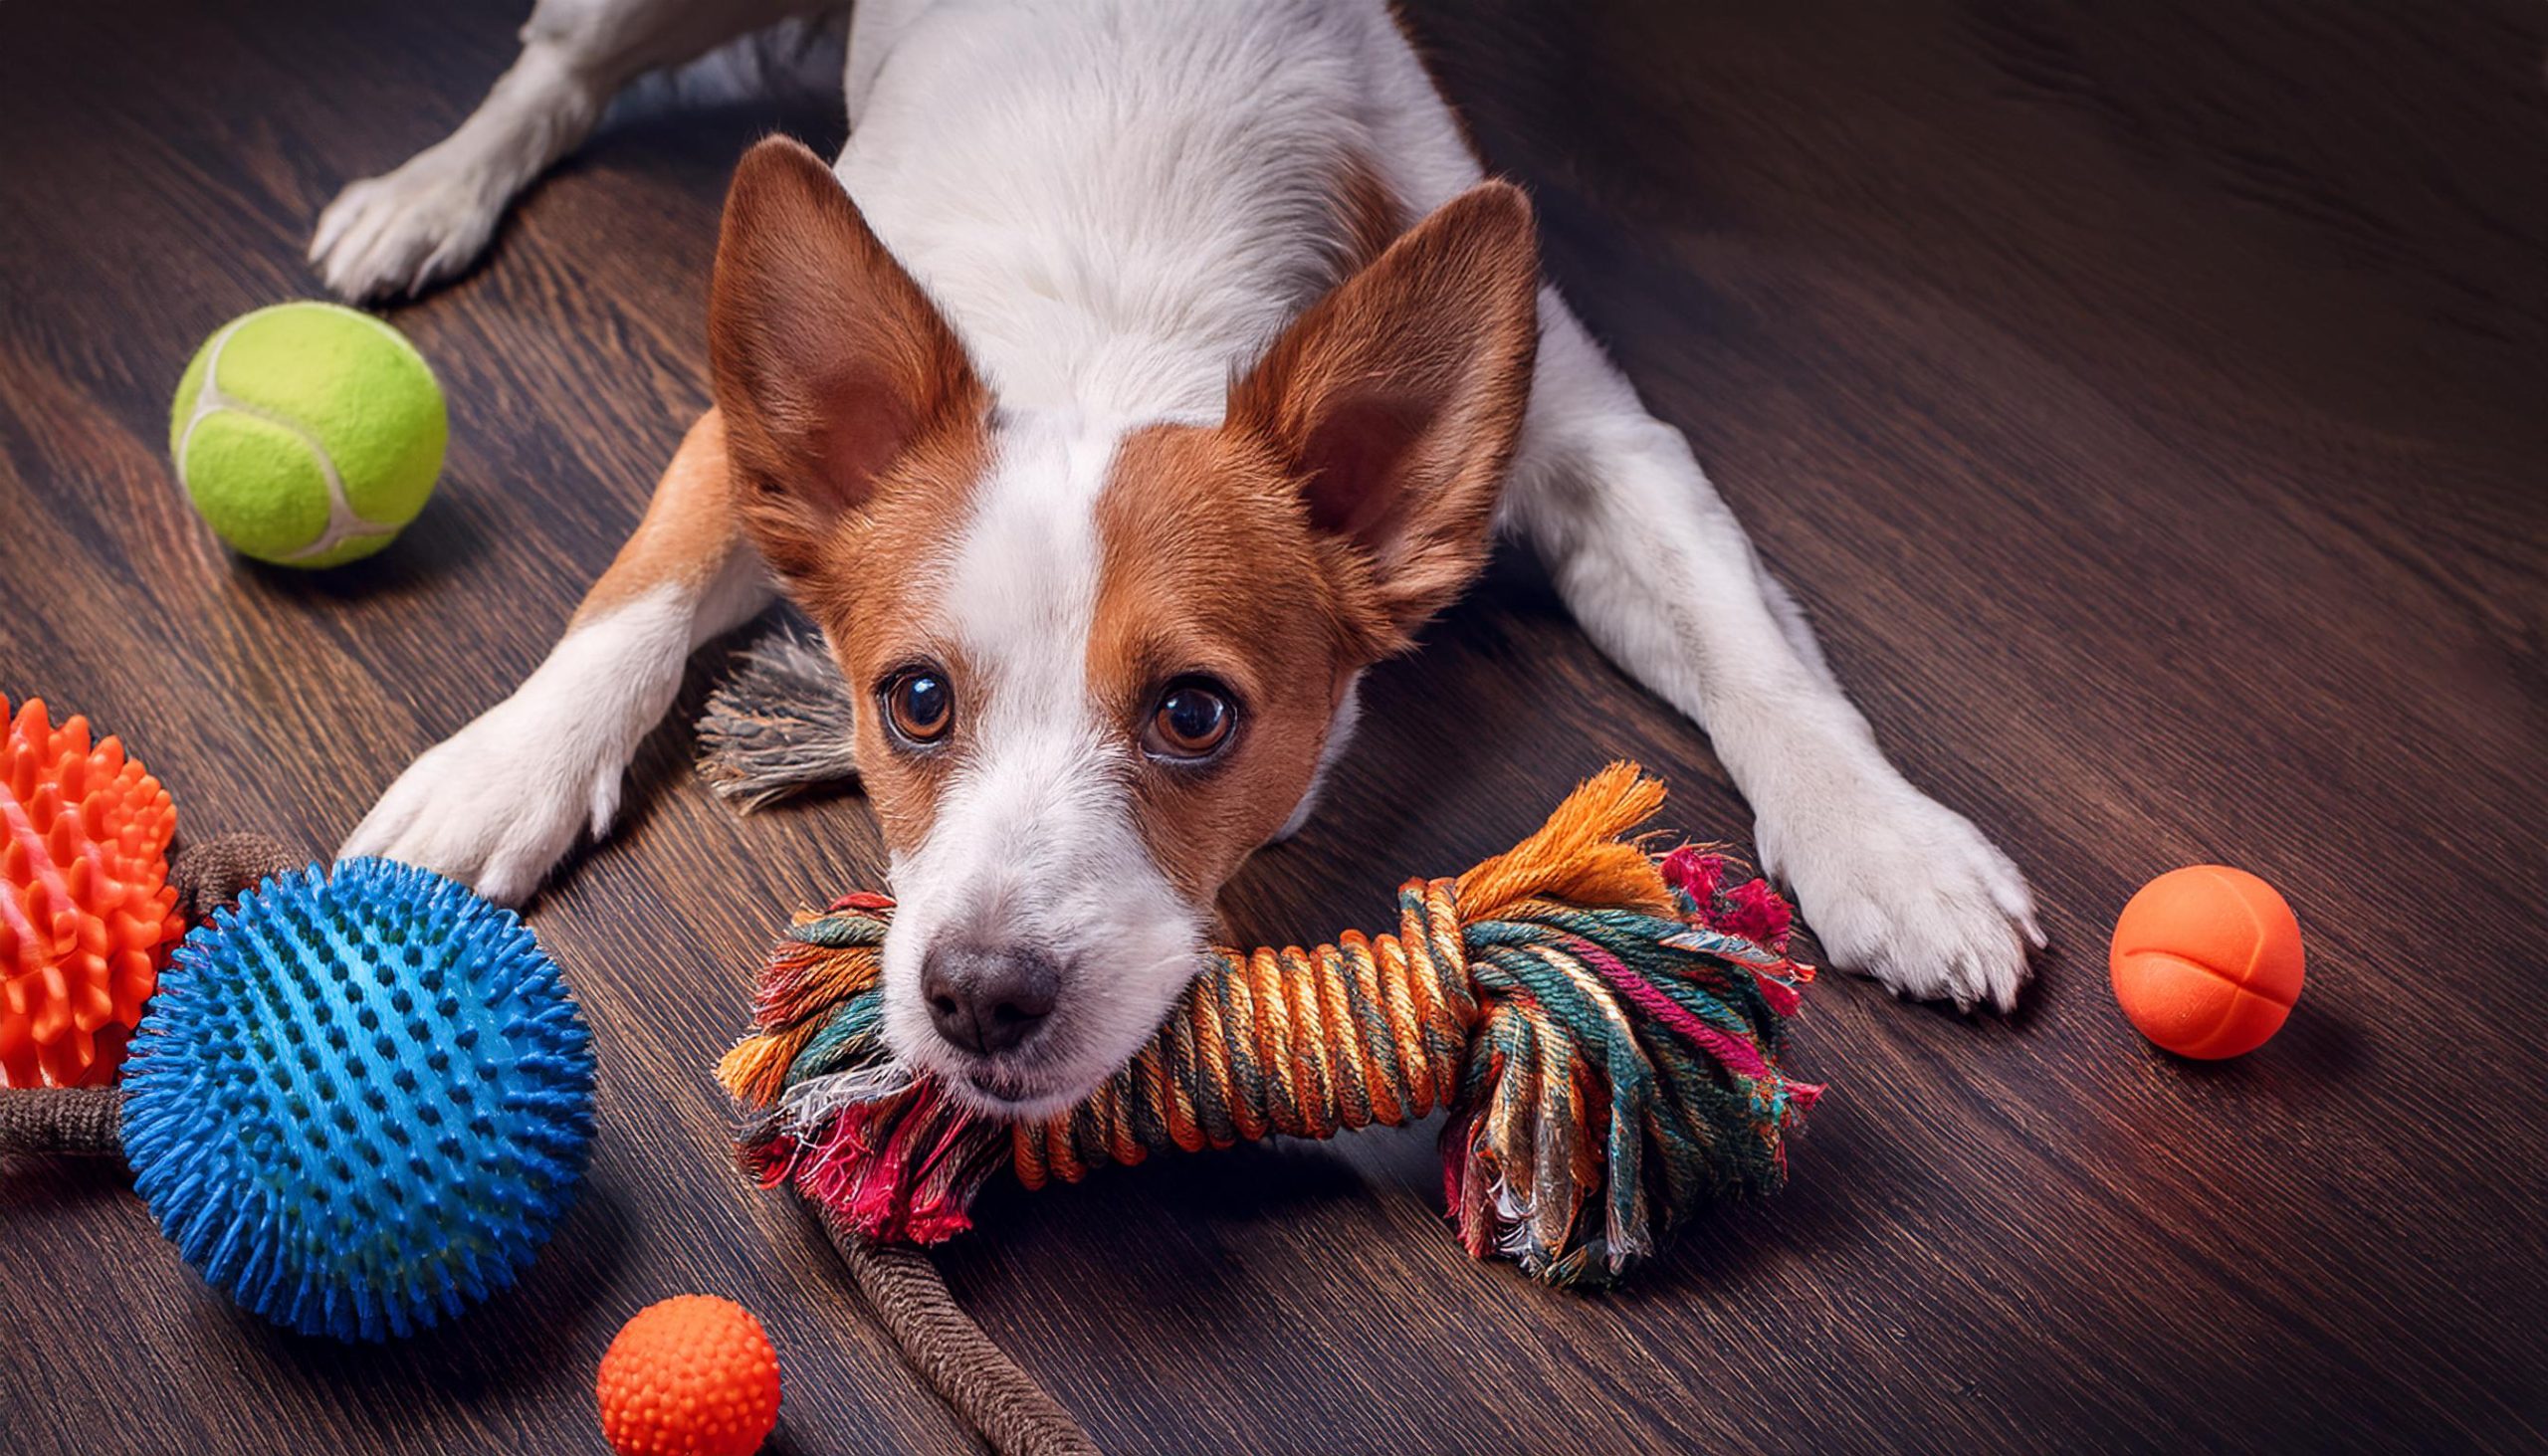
pixel 360 1100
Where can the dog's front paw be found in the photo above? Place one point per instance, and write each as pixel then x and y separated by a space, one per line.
pixel 498 804
pixel 1905 889
pixel 395 235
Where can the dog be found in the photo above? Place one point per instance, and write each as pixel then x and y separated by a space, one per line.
pixel 1140 373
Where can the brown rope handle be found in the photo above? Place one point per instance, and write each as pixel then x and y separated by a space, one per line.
pixel 210 874
pixel 976 1380
pixel 80 1120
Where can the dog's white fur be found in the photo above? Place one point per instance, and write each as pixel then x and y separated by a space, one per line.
pixel 1114 203
pixel 1034 841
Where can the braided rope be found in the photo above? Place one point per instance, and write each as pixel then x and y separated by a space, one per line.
pixel 1304 1043
pixel 211 874
pixel 1602 1026
pixel 80 1120
pixel 975 1378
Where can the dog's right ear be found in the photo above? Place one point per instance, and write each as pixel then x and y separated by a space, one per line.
pixel 1396 400
pixel 828 360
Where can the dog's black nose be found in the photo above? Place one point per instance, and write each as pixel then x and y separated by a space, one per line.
pixel 988 1000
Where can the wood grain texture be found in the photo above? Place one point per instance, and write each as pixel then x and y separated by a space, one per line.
pixel 2146 400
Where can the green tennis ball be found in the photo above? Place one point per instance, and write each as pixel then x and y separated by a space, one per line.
pixel 307 434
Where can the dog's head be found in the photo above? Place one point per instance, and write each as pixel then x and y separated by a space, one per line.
pixel 1097 662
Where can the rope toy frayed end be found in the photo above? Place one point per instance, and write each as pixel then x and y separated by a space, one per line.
pixel 1603 1024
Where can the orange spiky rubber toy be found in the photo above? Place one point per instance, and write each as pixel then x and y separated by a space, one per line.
pixel 87 914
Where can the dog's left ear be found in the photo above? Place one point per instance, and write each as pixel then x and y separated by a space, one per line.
pixel 827 359
pixel 1397 397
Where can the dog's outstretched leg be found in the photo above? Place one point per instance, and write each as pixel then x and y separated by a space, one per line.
pixel 398 233
pixel 498 803
pixel 1660 575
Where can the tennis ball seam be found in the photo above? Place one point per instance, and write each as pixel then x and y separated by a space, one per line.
pixel 345 524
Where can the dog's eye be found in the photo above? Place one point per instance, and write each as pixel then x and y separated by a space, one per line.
pixel 919 705
pixel 1193 719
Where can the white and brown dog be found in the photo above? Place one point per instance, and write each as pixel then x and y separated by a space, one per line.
pixel 1142 371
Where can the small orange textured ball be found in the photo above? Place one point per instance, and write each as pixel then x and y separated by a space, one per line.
pixel 87 914
pixel 2207 962
pixel 691 1376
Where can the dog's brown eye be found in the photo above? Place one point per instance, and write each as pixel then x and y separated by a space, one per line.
pixel 1193 719
pixel 919 705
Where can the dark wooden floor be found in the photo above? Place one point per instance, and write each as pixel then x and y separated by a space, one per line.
pixel 2150 403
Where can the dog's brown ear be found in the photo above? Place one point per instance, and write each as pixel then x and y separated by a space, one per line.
pixel 1397 397
pixel 828 360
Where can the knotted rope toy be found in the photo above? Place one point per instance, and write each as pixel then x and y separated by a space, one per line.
pixel 1602 1026
pixel 358 1101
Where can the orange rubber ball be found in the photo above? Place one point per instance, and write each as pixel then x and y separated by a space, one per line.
pixel 2207 962
pixel 87 915
pixel 691 1376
